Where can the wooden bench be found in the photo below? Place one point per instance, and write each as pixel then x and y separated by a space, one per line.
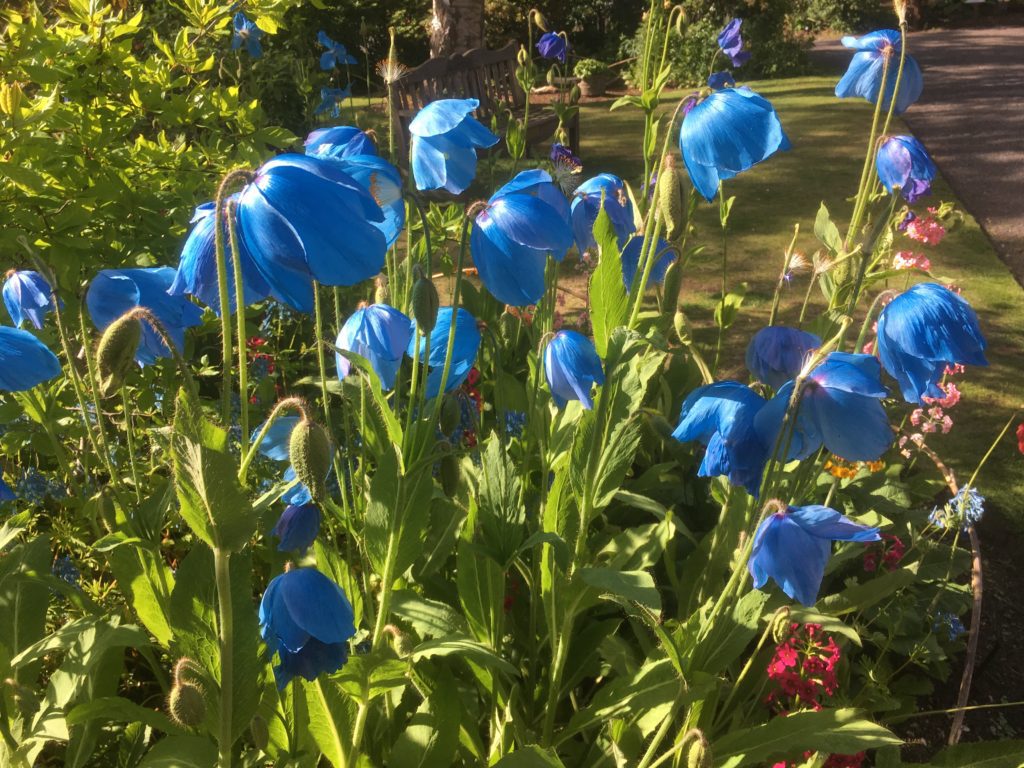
pixel 489 76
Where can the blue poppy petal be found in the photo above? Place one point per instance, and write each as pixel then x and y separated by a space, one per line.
pixel 24 360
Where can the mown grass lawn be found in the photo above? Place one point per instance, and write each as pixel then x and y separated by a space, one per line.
pixel 829 137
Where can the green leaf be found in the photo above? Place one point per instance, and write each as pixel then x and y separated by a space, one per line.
pixel 397 515
pixel 839 731
pixel 145 579
pixel 500 516
pixel 871 592
pixel 530 756
pixel 431 738
pixel 181 752
pixel 481 583
pixel 430 618
pixel 23 603
pixel 331 718
pixel 368 676
pixel 826 231
pixel 608 299
pixel 634 586
pixel 727 311
pixel 114 709
pixel 465 648
pixel 731 634
pixel 982 754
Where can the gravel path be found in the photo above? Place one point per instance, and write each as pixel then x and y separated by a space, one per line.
pixel 971 118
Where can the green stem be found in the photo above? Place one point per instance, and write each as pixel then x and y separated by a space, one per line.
pixel 991 448
pixel 782 275
pixel 243 362
pixel 463 248
pixel 94 387
pixel 125 405
pixel 869 158
pixel 722 217
pixel 222 569
pixel 321 362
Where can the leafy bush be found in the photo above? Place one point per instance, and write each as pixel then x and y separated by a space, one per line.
pixel 589 68
pixel 848 16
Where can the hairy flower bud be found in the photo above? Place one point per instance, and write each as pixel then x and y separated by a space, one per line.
pixel 671 286
pixel 682 328
pixel 900 7
pixel 115 355
pixel 186 705
pixel 451 415
pixel 696 751
pixel 540 21
pixel 450 473
pixel 383 293
pixel 310 453
pixel 425 302
pixel 670 197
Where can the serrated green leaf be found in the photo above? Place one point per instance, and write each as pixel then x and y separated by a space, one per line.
pixel 465 648
pixel 635 586
pixel 826 231
pixel 368 676
pixel 430 618
pixel 609 303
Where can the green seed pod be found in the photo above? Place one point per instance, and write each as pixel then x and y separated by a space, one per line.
pixel 310 452
pixel 540 21
pixel 451 415
pixel 682 328
pixel 115 355
pixel 450 474
pixel 425 303
pixel 260 732
pixel 186 704
pixel 574 95
pixel 672 285
pixel 697 753
pixel 670 197
pixel 551 76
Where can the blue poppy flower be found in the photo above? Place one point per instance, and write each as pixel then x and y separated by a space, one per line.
pixel 297 527
pixel 339 142
pixel 24 360
pixel 572 368
pixel 776 353
pixel 467 344
pixel 904 164
pixel 379 333
pixel 6 492
pixel 731 43
pixel 863 77
pixel 524 222
pixel 586 205
pixel 336 54
pixel 725 134
pixel 922 331
pixel 553 45
pixel 302 219
pixel 27 296
pixel 116 291
pixel 331 100
pixel 306 619
pixel 444 142
pixel 721 417
pixel 246 32
pixel 793 546
pixel 840 408
pixel 384 183
pixel 664 256
pixel 197 269
pixel 719 80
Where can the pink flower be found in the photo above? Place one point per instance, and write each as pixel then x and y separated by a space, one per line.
pixel 917 417
pixel 926 230
pixel 910 260
pixel 952 396
pixel 947 424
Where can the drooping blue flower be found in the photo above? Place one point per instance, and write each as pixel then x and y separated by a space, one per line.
pixel 27 296
pixel 567 168
pixel 302 219
pixel 719 80
pixel 339 142
pixel 306 619
pixel 586 205
pixel 524 222
pixel 922 331
pixel 197 269
pixel 467 344
pixel 664 256
pixel 384 183
pixel 379 333
pixel 6 492
pixel 731 43
pixel 721 417
pixel 297 527
pixel 246 31
pixel 840 408
pixel 727 133
pixel 331 100
pixel 572 368
pixel 24 360
pixel 793 546
pixel 863 77
pixel 776 353
pixel 904 164
pixel 116 291
pixel 445 138
pixel 335 56
pixel 553 45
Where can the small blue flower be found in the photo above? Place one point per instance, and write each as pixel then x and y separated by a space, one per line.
pixel 339 142
pixel 731 43
pixel 950 623
pixel 840 408
pixel 525 221
pixel 65 569
pixel 553 45
pixel 863 77
pixel 197 268
pixel 776 353
pixel 24 360
pixel 290 218
pixel 904 164
pixel 663 258
pixel 335 56
pixel 116 291
pixel 6 492
pixel 586 205
pixel 27 296
pixel 379 333
pixel 921 332
pixel 384 183
pixel 719 80
pixel 297 527
pixel 246 32
pixel 721 417
pixel 444 142
pixel 467 344
pixel 727 133
pixel 515 423
pixel 793 547
pixel 572 368
pixel 331 100
pixel 306 619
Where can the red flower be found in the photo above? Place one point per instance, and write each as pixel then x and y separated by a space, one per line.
pixel 1020 437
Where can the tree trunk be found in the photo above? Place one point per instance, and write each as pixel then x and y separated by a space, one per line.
pixel 457 26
